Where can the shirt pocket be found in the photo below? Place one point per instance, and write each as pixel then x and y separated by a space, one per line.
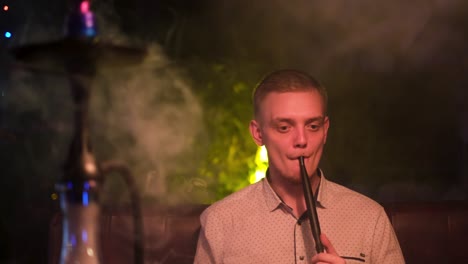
pixel 354 260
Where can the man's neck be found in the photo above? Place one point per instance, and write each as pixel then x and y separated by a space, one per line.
pixel 292 193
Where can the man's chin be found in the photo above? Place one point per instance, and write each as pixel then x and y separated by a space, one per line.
pixel 294 180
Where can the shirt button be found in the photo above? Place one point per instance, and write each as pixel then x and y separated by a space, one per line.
pixel 301 257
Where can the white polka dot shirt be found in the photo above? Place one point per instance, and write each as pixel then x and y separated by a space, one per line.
pixel 254 226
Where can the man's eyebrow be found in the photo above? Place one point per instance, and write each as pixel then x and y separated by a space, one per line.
pixel 291 121
pixel 282 119
pixel 320 119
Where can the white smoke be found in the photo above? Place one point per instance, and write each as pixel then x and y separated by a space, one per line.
pixel 144 114
pixel 154 108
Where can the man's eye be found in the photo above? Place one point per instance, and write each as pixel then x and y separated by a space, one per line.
pixel 314 127
pixel 283 128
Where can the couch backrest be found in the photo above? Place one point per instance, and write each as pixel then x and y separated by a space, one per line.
pixel 428 233
pixel 170 234
pixel 431 232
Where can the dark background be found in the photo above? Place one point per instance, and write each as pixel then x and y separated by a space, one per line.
pixel 396 73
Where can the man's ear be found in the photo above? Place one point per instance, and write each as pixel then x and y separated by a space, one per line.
pixel 256 132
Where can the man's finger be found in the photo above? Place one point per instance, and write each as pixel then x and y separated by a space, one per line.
pixel 331 256
pixel 327 258
pixel 328 245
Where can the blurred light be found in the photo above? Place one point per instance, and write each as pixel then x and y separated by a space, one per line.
pixel 73 240
pixel 7 34
pixel 89 19
pixel 258 175
pixel 90 32
pixel 85 198
pixel 5 8
pixel 263 155
pixel 54 196
pixel 261 165
pixel 84 7
pixel 84 235
pixel 90 167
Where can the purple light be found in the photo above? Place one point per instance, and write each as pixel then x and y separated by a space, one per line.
pixel 73 240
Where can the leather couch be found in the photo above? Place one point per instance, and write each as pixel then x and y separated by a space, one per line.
pixel 429 232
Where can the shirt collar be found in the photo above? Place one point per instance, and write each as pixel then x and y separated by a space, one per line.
pixel 273 201
pixel 323 198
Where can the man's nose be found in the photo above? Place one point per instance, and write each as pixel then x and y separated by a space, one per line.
pixel 300 140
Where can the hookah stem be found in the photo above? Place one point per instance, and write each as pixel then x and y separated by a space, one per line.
pixel 138 246
pixel 311 207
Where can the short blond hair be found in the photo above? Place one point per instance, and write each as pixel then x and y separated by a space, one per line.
pixel 287 80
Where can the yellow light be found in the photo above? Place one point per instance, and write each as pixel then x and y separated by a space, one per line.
pixel 261 165
pixel 263 155
pixel 90 252
pixel 259 174
pixel 54 196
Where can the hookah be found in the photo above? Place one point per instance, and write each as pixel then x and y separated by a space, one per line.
pixel 77 55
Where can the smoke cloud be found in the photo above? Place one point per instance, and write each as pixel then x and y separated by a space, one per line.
pixel 145 115
pixel 148 116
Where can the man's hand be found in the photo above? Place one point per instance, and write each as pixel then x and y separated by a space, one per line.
pixel 330 257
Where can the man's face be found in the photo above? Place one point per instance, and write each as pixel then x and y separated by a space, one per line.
pixel 290 125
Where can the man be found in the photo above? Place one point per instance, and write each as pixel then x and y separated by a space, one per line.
pixel 267 222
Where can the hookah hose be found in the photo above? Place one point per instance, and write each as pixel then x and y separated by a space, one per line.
pixel 120 167
pixel 311 207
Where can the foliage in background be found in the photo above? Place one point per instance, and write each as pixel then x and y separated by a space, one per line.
pixel 227 147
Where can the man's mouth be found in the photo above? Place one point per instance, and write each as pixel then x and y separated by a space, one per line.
pixel 297 157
